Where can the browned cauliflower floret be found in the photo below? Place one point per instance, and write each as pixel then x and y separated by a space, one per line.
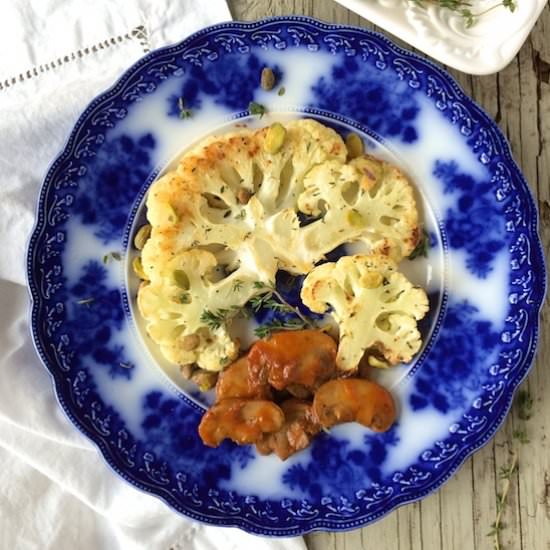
pixel 181 305
pixel 375 307
pixel 367 200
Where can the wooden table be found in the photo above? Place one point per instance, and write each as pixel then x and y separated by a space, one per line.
pixel 460 514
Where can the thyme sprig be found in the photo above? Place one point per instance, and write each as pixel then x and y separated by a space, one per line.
pixel 423 246
pixel 524 403
pixel 264 330
pixel 274 300
pixel 215 319
pixel 237 285
pixel 463 8
pixel 271 299
pixel 505 474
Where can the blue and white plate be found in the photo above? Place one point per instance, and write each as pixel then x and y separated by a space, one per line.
pixel 484 274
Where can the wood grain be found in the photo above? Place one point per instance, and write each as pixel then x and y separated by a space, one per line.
pixel 459 515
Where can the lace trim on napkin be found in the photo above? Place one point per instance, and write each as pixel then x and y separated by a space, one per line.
pixel 139 33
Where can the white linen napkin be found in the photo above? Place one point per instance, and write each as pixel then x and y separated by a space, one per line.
pixel 56 491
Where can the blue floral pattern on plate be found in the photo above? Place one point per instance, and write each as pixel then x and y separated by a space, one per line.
pixel 486 293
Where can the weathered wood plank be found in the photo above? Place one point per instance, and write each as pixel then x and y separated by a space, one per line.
pixel 457 529
pixel 534 458
pixel 484 498
pixel 460 514
pixel 409 524
pixel 430 520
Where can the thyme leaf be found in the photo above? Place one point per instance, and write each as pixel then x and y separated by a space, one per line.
pixel 85 301
pixel 257 109
pixel 505 474
pixel 237 285
pixel 275 301
pixel 262 331
pixel 183 111
pixel 215 319
pixel 423 246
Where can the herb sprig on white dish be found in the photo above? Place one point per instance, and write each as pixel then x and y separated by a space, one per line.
pixel 464 8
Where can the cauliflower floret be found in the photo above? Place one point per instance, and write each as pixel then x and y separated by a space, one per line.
pixel 367 200
pixel 181 305
pixel 228 188
pixel 375 307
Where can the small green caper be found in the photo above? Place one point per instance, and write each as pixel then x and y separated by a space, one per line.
pixel 144 232
pixel 181 279
pixel 355 145
pixel 267 79
pixel 137 266
pixel 355 218
pixel 274 138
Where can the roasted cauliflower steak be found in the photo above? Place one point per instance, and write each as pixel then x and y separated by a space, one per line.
pixel 231 214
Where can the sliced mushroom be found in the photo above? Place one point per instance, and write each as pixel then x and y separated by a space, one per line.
pixel 354 399
pixel 235 381
pixel 240 420
pixel 294 358
pixel 296 433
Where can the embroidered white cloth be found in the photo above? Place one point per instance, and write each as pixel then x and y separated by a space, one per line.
pixel 55 489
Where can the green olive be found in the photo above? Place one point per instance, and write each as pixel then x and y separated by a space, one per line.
pixel 274 138
pixel 144 232
pixel 181 279
pixel 137 266
pixel 355 145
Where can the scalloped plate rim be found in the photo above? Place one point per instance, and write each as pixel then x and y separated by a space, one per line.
pixel 312 525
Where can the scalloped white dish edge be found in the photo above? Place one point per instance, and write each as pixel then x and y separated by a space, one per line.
pixel 486 48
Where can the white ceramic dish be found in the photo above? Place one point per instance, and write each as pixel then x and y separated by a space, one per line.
pixel 485 48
